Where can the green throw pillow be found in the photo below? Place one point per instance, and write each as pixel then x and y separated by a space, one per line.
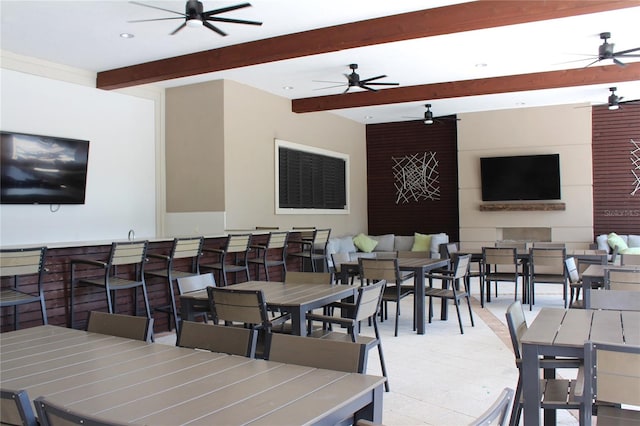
pixel 364 243
pixel 616 240
pixel 421 242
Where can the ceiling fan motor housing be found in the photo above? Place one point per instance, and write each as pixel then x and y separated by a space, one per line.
pixel 194 10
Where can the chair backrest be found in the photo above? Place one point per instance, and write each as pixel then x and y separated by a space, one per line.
pixel 190 247
pixel 369 300
pixel 277 240
pixel 195 283
pixel 379 269
pixel 51 414
pixel 499 256
pixel 128 253
pixel 627 259
pixel 318 353
pixel 306 232
pixel 612 373
pixel 321 239
pixel 548 260
pixel 461 267
pixel 238 243
pixel 572 270
pixel 622 279
pixel 496 414
pixel 296 277
pixel 518 245
pixel 548 244
pixel 517 324
pixel 339 258
pixel 127 326
pixel 15 408
pixel 217 338
pixel 238 306
pixel 15 262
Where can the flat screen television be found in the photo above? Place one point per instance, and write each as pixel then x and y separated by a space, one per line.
pixel 524 177
pixel 38 169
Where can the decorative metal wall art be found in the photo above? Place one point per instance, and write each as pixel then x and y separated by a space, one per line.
pixel 416 177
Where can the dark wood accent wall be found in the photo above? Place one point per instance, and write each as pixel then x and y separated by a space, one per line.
pixel 615 209
pixel 57 286
pixel 400 139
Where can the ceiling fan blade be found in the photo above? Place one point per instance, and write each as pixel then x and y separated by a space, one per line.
pixel 591 63
pixel 328 81
pixel 330 87
pixel 156 19
pixel 630 56
pixel 630 101
pixel 232 21
pixel 383 84
pixel 156 7
pixel 212 28
pixel 225 9
pixel 371 89
pixel 347 89
pixel 366 80
pixel 617 62
pixel 624 52
pixel 184 24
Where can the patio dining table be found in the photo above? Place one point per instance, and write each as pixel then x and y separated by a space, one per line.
pixel 419 266
pixel 594 275
pixel 297 299
pixel 130 381
pixel 563 333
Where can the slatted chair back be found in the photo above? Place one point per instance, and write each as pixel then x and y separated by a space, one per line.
pixel 374 269
pixel 16 263
pixel 612 376
pixel 572 270
pixel 15 408
pixel 196 283
pixel 277 240
pixel 238 306
pixel 187 248
pixel 517 324
pixel 496 414
pixel 317 353
pixel 627 259
pixel 518 245
pixel 503 256
pixel 127 326
pixel 296 277
pixel 622 279
pixel 547 244
pixel 548 260
pixel 127 253
pixel 52 414
pixel 368 300
pixel 337 259
pixel 306 232
pixel 321 238
pixel 238 243
pixel 217 338
pixel 461 268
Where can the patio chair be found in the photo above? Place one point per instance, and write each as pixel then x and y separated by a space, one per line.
pixel 19 264
pixel 217 338
pixel 496 414
pixel 52 414
pixel 15 408
pixel 233 258
pixel 548 267
pixel 271 254
pixel 127 326
pixel 313 247
pixel 366 307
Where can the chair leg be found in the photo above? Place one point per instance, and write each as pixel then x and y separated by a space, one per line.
pixel 174 312
pixel 381 356
pixel 457 303
pixel 397 317
pixel 146 301
pixel 43 308
pixel 516 409
pixel 470 311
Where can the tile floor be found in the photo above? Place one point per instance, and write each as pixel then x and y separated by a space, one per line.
pixel 444 377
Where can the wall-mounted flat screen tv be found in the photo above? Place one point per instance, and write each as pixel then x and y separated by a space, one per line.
pixel 38 169
pixel 524 177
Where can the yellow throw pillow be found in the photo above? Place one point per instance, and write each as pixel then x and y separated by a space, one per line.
pixel 364 243
pixel 421 242
pixel 616 240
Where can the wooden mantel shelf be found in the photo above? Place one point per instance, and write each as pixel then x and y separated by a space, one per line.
pixel 499 207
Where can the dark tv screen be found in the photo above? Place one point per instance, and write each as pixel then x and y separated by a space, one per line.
pixel 524 177
pixel 38 169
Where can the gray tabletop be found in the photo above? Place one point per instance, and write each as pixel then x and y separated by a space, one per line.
pixel 146 383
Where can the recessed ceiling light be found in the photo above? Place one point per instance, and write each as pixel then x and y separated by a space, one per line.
pixel 287 87
pixel 481 65
pixel 520 103
pixel 127 35
pixel 368 117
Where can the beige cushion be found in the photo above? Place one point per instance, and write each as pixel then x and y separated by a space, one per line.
pixel 403 242
pixel 385 242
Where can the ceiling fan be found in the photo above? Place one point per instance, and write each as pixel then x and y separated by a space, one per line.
pixel 195 16
pixel 429 119
pixel 605 51
pixel 614 101
pixel 353 80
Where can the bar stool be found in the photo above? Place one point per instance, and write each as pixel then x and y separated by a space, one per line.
pixel 276 245
pixel 131 253
pixel 17 263
pixel 182 248
pixel 237 251
pixel 313 246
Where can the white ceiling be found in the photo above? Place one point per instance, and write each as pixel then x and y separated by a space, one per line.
pixel 85 34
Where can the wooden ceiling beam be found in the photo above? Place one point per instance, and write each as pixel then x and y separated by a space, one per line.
pixel 484 86
pixel 425 23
